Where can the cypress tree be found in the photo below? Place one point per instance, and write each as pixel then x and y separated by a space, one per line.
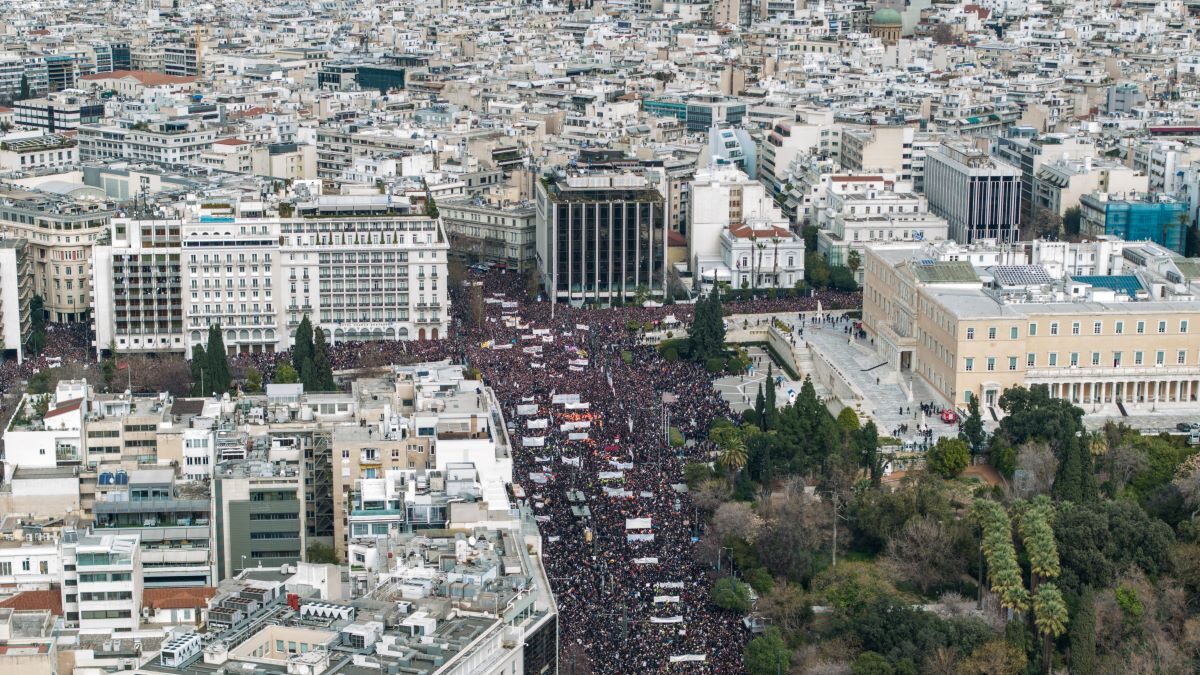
pixel 1083 634
pixel 199 365
pixel 760 407
pixel 302 347
pixel 771 412
pixel 217 374
pixel 323 371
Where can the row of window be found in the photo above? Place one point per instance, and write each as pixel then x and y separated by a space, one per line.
pixel 1076 329
pixel 1160 359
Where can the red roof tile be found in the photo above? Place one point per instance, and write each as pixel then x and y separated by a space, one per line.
pixel 231 141
pixel 743 231
pixel 31 600
pixel 65 407
pixel 146 77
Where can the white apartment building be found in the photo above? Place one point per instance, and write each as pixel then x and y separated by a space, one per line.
pixel 16 289
pixel 170 142
pixel 54 438
pixel 137 287
pixel 1162 161
pixel 102 580
pixel 856 219
pixel 52 151
pixel 29 565
pixel 1059 185
pixel 361 267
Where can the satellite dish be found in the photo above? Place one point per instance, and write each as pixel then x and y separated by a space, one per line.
pixel 470 541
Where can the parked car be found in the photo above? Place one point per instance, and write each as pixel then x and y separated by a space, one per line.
pixel 1187 426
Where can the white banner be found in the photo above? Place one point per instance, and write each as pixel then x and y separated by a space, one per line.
pixel 507 345
pixel 668 584
pixel 666 619
pixel 543 460
pixel 621 466
pixel 638 524
pixel 532 350
pixel 548 339
pixel 611 475
pixel 616 492
pixel 509 305
pixel 645 561
pixel 573 461
pixel 527 409
pixel 665 598
pixel 541 331
pixel 529 337
pixel 578 406
pixel 539 478
pixel 639 537
pixel 689 657
pixel 575 369
pixel 581 436
pixel 581 326
pixel 572 426
pixel 579 362
pixel 552 539
pixel 533 441
pixel 538 424
pixel 565 399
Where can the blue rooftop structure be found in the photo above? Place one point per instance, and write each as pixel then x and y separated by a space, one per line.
pixel 1125 283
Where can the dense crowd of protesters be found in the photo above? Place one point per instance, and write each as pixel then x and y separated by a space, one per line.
pixel 631 603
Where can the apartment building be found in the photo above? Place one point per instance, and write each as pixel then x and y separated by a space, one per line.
pixel 101 581
pixel 485 229
pixel 16 290
pixel 52 151
pixel 1059 185
pixel 59 234
pixel 786 141
pixel 976 332
pixel 137 284
pixel 416 422
pixel 854 220
pixel 979 196
pixel 171 142
pixel 878 149
pixel 258 507
pixel 58 112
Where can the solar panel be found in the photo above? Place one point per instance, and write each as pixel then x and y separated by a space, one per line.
pixel 1021 275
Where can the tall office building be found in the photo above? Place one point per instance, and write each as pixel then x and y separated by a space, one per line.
pixel 600 237
pixel 258 508
pixel 979 196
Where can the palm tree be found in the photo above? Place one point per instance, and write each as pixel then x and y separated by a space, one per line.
pixel 1097 443
pixel 1050 617
pixel 753 273
pixel 733 454
pixel 775 263
pixel 1038 539
pixel 762 245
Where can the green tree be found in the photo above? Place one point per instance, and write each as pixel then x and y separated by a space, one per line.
pixel 1071 220
pixel 285 374
pixel 253 380
pixel 732 455
pixel 871 663
pixel 1076 477
pixel 321 554
pixel 1050 617
pixel 732 595
pixel 302 346
pixel 847 421
pixel 322 370
pixel 760 408
pixel 842 279
pixel 767 654
pixel 37 324
pixel 707 332
pixel 431 207
pixel 25 93
pixel 216 371
pixel 1191 242
pixel 1083 634
pixel 948 458
pixel 972 429
pixel 816 270
pixel 198 366
pixel 770 406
